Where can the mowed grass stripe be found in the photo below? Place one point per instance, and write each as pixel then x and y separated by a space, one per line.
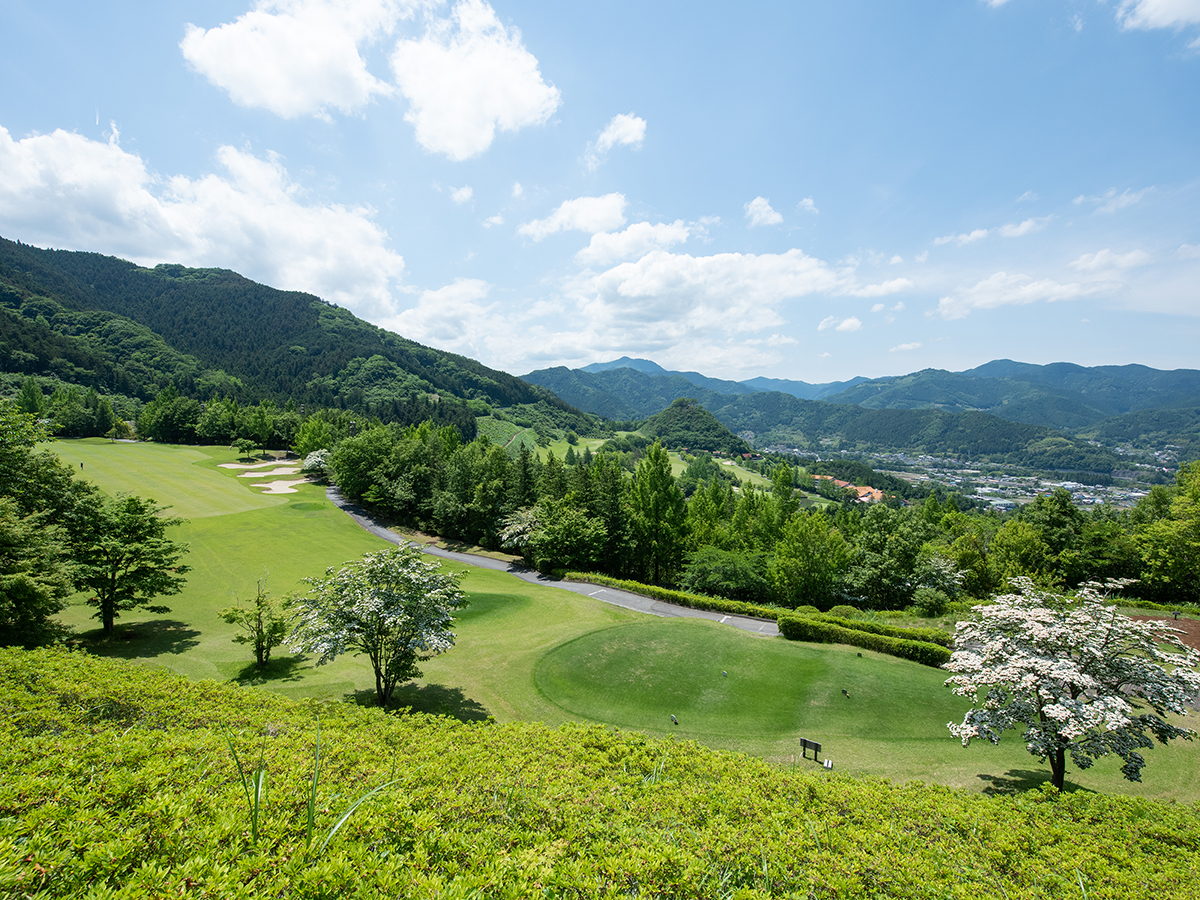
pixel 185 478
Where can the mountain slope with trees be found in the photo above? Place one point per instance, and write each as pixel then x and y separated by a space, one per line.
pixel 277 343
pixel 102 323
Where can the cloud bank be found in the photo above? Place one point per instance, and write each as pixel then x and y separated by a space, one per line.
pixel 65 190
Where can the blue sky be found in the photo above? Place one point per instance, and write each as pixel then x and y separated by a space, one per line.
pixel 798 190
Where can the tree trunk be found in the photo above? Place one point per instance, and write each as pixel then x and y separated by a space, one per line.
pixel 1058 767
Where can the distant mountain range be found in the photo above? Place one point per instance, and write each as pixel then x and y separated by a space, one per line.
pixel 801 389
pixel 1060 395
pixel 1029 415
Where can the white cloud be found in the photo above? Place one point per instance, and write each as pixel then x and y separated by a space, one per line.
pixel 461 195
pixel 468 76
pixel 1023 228
pixel 759 212
pixel 1003 289
pixel 922 256
pixel 899 306
pixel 1077 22
pixel 625 129
pixel 65 190
pixel 807 205
pixel 896 260
pixel 695 305
pixel 960 239
pixel 1105 259
pixel 497 219
pixel 880 290
pixel 1158 13
pixel 904 348
pixel 1028 195
pixel 878 307
pixel 1188 251
pixel 587 214
pixel 455 317
pixel 1110 201
pixel 296 57
pixel 634 242
pixel 848 324
pixel 517 190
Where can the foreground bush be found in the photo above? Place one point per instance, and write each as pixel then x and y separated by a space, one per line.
pixel 120 782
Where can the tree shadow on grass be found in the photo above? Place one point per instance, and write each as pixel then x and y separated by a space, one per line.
pixel 1017 781
pixel 285 668
pixel 153 637
pixel 435 699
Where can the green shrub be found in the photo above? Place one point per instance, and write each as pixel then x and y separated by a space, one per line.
pixel 844 612
pixel 930 602
pixel 120 782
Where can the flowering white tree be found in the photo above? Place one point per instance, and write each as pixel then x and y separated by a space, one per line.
pixel 394 605
pixel 1077 675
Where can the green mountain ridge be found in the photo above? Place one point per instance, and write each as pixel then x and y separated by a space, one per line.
pixel 214 331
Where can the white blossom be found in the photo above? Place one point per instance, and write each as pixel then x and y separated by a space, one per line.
pixel 1077 675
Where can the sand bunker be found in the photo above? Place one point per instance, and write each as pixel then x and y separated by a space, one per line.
pixel 283 470
pixel 269 462
pixel 281 487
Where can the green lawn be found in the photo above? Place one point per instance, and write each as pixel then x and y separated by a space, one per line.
pixel 531 652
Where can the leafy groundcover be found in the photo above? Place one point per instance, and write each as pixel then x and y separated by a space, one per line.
pixel 120 781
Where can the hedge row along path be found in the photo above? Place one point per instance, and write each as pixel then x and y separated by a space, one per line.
pixel 613 596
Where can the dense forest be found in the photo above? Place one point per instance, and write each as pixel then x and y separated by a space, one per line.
pixel 706 533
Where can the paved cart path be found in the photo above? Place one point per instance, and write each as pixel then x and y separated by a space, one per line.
pixel 615 596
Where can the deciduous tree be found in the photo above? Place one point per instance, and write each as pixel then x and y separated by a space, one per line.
pixel 1079 677
pixel 123 555
pixel 264 625
pixel 395 606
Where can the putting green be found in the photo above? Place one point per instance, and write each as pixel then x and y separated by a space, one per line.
pixel 719 682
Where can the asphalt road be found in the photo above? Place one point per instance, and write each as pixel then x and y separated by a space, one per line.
pixel 624 599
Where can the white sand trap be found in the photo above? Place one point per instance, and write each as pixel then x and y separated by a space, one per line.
pixel 281 487
pixel 269 462
pixel 285 470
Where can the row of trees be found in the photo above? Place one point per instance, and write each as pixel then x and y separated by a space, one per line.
pixel 59 534
pixel 704 532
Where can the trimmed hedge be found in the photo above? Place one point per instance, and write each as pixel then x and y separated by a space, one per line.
pixel 927 635
pixel 682 598
pixel 822 631
pixel 737 607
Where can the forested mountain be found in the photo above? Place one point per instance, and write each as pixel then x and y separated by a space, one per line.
pixel 779 419
pixel 686 424
pixel 1061 395
pixel 100 321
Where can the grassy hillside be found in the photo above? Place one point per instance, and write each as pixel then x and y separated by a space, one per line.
pixel 122 783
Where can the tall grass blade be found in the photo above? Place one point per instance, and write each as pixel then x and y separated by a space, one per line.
pixel 312 793
pixel 349 812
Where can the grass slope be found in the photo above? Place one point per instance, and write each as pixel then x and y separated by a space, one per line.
pixel 535 653
pixel 120 783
